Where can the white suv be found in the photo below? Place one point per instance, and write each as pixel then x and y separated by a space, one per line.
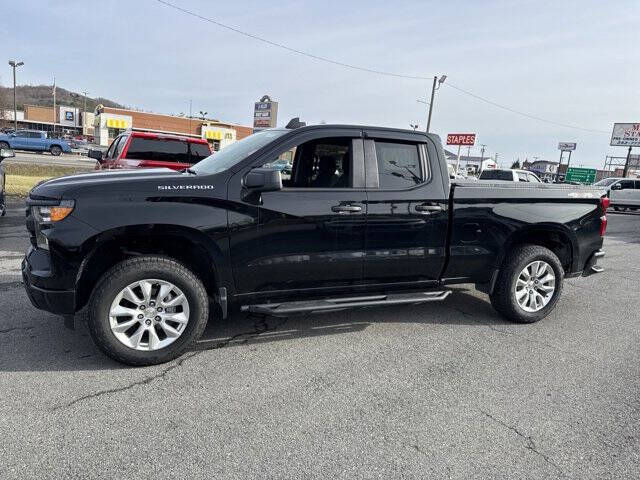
pixel 509 175
pixel 623 192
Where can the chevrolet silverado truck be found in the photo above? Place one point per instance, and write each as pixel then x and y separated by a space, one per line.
pixel 34 140
pixel 367 218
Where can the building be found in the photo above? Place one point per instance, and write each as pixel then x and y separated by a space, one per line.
pixel 469 163
pixel 544 169
pixel 109 122
pixel 67 119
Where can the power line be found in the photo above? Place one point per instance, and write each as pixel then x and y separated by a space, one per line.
pixel 369 70
pixel 290 49
pixel 533 117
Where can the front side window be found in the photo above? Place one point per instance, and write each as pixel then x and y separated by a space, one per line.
pixel 625 184
pixel 533 178
pixel 112 148
pixel 158 150
pixel 121 144
pixel 324 163
pixel 398 165
pixel 522 177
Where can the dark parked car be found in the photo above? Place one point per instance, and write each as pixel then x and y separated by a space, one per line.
pixel 367 218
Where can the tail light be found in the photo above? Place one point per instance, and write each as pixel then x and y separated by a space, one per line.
pixel 604 204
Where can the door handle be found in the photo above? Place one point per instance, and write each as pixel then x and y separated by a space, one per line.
pixel 428 209
pixel 346 209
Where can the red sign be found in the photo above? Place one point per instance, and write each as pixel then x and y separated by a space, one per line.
pixel 466 139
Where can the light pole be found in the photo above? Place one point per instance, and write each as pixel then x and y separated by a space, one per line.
pixel 203 114
pixel 433 92
pixel 84 115
pixel 481 156
pixel 15 65
pixel 415 127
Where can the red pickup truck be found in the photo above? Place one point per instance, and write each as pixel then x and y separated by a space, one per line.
pixel 151 150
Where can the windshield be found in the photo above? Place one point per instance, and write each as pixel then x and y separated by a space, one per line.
pixel 234 153
pixel 605 182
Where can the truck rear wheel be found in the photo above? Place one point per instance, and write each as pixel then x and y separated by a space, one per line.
pixel 529 284
pixel 55 150
pixel 147 310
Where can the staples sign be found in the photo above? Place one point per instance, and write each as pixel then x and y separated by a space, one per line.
pixel 466 139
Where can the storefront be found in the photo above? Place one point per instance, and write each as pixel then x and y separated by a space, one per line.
pixel 110 122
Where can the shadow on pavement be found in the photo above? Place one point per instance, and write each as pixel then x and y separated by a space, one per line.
pixel 46 345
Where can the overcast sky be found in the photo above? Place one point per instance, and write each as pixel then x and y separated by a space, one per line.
pixel 572 62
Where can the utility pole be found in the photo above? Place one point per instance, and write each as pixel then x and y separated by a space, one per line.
pixel 15 65
pixel 625 172
pixel 190 106
pixel 433 92
pixel 54 105
pixel 481 157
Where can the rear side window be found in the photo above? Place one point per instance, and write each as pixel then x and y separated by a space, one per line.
pixel 158 150
pixel 496 175
pixel 398 165
pixel 199 151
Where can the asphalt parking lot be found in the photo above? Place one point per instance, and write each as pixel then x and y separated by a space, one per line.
pixel 444 390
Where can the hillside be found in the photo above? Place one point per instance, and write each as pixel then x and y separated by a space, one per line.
pixel 42 95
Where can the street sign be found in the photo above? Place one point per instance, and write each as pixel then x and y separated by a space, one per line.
pixel 566 146
pixel 582 175
pixel 625 135
pixel 464 139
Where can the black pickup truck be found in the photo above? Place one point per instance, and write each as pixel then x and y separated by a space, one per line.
pixel 366 217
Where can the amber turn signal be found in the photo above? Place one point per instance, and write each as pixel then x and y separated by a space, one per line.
pixel 59 213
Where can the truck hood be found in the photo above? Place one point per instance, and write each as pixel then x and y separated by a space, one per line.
pixel 139 181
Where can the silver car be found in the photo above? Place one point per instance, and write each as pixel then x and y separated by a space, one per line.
pixel 624 193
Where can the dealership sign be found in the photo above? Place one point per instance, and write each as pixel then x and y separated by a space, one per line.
pixel 461 139
pixel 625 135
pixel 566 146
pixel 265 114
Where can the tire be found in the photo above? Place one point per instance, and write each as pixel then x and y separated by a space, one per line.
pixel 55 150
pixel 111 286
pixel 503 297
pixel 617 209
pixel 4 145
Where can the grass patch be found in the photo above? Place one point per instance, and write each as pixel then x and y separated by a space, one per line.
pixel 22 177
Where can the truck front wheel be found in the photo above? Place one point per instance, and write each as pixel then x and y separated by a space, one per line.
pixel 55 150
pixel 529 284
pixel 147 310
pixel 4 145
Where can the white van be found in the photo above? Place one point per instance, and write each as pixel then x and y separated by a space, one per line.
pixel 623 192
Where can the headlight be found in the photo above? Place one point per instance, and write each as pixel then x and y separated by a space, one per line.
pixel 45 216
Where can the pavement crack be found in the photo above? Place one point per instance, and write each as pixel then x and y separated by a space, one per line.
pixel 12 329
pixel 260 326
pixel 145 381
pixel 529 442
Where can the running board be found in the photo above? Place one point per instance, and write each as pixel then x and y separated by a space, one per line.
pixel 281 309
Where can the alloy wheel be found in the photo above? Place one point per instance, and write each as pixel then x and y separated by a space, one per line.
pixel 149 314
pixel 535 286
